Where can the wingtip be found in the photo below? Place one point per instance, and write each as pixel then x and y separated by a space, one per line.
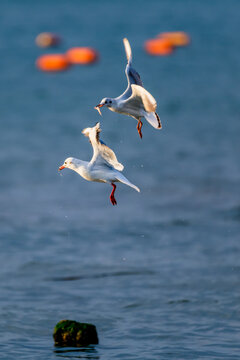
pixel 121 167
pixel 97 127
pixel 88 131
pixel 85 132
pixel 127 49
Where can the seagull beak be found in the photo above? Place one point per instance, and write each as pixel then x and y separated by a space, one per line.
pixel 98 108
pixel 61 167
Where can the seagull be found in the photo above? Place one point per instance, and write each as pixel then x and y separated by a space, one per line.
pixel 103 167
pixel 135 101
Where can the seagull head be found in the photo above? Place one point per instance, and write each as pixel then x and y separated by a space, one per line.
pixel 68 163
pixel 109 102
pixel 106 102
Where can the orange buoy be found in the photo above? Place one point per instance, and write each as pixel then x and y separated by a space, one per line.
pixel 177 38
pixel 52 62
pixel 81 55
pixel 47 40
pixel 158 47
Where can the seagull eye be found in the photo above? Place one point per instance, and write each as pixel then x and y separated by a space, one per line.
pixel 110 101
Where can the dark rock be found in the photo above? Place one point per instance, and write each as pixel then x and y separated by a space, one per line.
pixel 73 333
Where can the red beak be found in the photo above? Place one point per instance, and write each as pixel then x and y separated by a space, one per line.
pixel 99 105
pixel 61 167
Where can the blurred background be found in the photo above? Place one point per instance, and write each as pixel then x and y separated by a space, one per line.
pixel 158 274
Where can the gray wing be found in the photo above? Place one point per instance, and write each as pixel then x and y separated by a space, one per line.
pixel 132 75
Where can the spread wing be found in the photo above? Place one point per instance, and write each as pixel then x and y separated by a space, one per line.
pixel 106 156
pixel 132 75
pixel 102 154
pixel 141 98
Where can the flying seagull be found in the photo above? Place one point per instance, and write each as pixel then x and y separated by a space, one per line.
pixel 135 101
pixel 103 167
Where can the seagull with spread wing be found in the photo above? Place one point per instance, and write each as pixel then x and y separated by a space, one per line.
pixel 103 167
pixel 135 101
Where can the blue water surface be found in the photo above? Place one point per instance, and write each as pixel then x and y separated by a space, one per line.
pixel 159 274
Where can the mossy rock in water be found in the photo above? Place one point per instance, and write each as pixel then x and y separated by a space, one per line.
pixel 73 333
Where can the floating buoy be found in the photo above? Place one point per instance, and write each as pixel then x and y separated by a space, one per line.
pixel 158 47
pixel 52 62
pixel 177 38
pixel 47 40
pixel 81 55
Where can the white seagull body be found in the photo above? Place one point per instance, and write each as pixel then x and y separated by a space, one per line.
pixel 103 167
pixel 135 101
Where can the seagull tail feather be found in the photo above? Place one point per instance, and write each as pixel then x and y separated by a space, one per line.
pixel 153 119
pixel 121 178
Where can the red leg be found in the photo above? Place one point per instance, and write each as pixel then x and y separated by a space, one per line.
pixel 139 127
pixel 112 198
